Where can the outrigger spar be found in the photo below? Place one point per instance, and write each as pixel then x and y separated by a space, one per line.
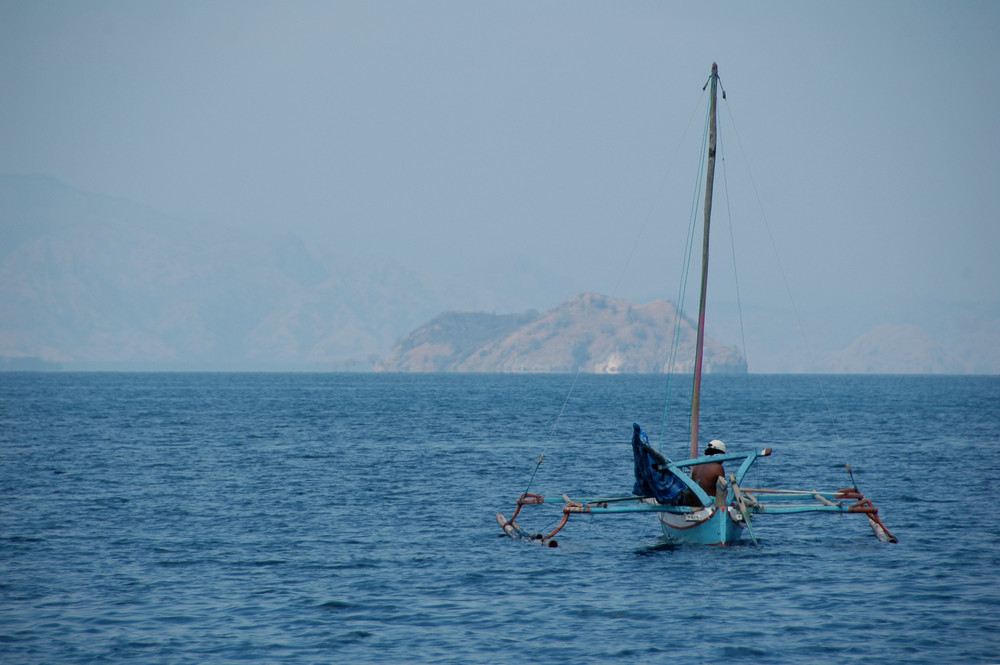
pixel 687 513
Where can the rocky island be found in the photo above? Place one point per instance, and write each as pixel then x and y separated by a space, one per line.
pixel 588 333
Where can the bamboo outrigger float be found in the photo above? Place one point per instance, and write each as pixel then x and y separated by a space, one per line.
pixel 720 519
pixel 687 514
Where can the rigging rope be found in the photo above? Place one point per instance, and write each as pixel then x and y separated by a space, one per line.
pixel 621 276
pixel 685 273
pixel 732 245
pixel 784 276
pixel 652 205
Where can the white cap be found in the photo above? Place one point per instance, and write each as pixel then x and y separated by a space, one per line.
pixel 717 445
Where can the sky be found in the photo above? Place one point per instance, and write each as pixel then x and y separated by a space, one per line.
pixel 451 136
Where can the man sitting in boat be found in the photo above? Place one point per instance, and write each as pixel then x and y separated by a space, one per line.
pixel 707 474
pixel 663 486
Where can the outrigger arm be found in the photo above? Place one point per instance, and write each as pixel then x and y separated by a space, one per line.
pixel 748 501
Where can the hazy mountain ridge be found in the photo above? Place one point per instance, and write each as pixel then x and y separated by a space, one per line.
pixel 896 349
pixel 590 333
pixel 446 342
pixel 93 282
pixel 89 281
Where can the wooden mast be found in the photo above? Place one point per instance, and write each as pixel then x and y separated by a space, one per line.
pixel 700 348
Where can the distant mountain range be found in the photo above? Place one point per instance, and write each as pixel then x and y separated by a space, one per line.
pixel 589 333
pixel 93 282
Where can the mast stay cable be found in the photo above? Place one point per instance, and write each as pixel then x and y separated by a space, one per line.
pixel 784 276
pixel 618 282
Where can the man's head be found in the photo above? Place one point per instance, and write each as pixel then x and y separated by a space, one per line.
pixel 715 447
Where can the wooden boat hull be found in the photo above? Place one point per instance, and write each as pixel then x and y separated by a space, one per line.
pixel 708 526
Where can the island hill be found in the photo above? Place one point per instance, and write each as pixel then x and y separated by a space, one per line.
pixel 588 333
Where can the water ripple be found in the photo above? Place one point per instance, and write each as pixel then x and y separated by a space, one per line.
pixel 349 518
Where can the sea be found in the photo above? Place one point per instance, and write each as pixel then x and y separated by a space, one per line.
pixel 350 518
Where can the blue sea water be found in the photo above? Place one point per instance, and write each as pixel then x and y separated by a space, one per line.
pixel 349 518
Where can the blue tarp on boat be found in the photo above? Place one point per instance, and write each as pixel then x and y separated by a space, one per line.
pixel 663 486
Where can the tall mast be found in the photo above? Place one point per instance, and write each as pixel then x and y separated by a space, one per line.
pixel 700 348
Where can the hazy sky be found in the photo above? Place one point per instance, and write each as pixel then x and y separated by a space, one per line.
pixel 454 134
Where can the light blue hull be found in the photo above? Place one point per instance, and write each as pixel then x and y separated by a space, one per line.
pixel 708 526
